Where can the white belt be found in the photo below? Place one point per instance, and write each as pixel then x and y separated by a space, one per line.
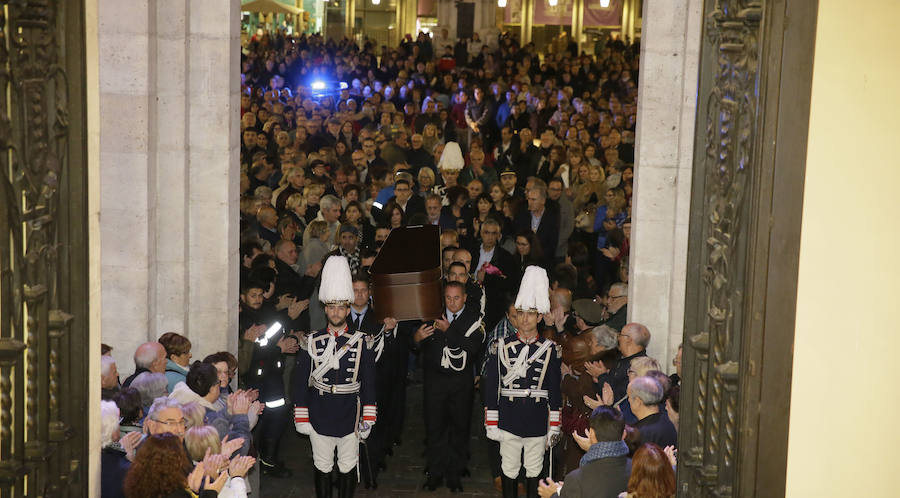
pixel 275 404
pixel 524 393
pixel 351 388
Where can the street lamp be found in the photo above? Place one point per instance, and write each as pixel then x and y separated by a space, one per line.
pixel 501 3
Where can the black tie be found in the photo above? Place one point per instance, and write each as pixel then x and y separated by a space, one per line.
pixel 454 318
pixel 356 321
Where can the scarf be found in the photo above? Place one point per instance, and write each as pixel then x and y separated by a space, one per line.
pixel 604 449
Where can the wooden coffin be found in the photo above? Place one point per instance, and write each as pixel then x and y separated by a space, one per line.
pixel 406 275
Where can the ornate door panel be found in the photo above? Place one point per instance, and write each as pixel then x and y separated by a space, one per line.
pixel 43 250
pixel 749 163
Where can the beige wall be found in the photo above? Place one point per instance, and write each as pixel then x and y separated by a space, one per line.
pixel 844 435
pixel 664 151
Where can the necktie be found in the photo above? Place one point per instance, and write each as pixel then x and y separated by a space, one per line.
pixel 454 318
pixel 356 321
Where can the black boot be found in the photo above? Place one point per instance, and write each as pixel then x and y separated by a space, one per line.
pixel 531 487
pixel 268 460
pixel 510 487
pixel 323 484
pixel 347 484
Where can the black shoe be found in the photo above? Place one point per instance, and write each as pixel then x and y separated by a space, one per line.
pixel 454 485
pixel 275 470
pixel 323 484
pixel 510 487
pixel 432 483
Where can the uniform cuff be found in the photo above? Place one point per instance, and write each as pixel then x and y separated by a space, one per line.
pixel 301 415
pixel 491 417
pixel 554 418
pixel 370 413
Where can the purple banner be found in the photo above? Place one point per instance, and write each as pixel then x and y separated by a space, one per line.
pixel 595 15
pixel 558 15
pixel 561 14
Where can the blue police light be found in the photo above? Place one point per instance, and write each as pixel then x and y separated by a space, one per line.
pixel 318 85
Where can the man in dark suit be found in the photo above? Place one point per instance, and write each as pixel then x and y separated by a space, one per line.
pixel 541 218
pixel 390 379
pixel 605 468
pixel 449 350
pixel 488 254
pixel 403 196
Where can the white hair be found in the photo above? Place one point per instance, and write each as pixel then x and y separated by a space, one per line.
pixel 150 386
pixel 329 201
pixel 146 354
pixel 646 389
pixel 605 336
pixel 109 422
pixel 106 365
pixel 160 404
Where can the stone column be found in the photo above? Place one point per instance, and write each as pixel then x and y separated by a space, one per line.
pixel 527 21
pixel 169 144
pixel 349 17
pixel 663 161
pixel 578 22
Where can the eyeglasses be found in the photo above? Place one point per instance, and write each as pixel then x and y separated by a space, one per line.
pixel 172 423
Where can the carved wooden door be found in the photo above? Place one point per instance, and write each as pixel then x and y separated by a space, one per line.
pixel 43 250
pixel 749 162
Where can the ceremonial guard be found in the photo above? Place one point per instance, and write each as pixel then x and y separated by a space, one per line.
pixel 449 354
pixel 522 389
pixel 334 385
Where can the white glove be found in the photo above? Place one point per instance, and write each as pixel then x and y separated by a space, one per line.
pixel 554 430
pixel 491 419
pixel 493 433
pixel 301 420
pixel 365 429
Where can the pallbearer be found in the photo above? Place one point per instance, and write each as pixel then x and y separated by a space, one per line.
pixel 334 385
pixel 522 393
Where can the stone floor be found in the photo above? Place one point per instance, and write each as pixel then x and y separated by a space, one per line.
pixel 404 475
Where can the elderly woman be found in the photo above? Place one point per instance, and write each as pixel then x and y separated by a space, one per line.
pixel 178 358
pixel 199 440
pixel 150 386
pixel 295 205
pixel 426 181
pixel 291 183
pixel 131 411
pixel 318 244
pixel 113 462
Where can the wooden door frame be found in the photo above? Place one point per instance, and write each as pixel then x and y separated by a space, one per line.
pixel 749 167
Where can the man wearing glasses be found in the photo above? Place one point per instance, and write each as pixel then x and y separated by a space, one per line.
pixel 165 416
pixel 617 306
pixel 334 385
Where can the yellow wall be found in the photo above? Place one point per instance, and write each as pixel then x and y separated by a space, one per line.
pixel 845 409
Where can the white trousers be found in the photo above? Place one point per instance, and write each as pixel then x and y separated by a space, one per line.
pixel 511 447
pixel 323 448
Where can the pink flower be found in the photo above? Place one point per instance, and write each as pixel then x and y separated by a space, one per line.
pixel 490 269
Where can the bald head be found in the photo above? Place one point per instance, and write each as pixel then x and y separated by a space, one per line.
pixel 151 356
pixel 638 333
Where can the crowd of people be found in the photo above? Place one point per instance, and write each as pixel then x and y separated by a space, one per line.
pixel 525 163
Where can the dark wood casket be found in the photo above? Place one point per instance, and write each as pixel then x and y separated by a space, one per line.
pixel 406 275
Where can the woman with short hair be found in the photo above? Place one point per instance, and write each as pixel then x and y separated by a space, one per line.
pixel 178 357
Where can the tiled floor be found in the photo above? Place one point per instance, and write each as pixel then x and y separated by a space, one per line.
pixel 404 475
